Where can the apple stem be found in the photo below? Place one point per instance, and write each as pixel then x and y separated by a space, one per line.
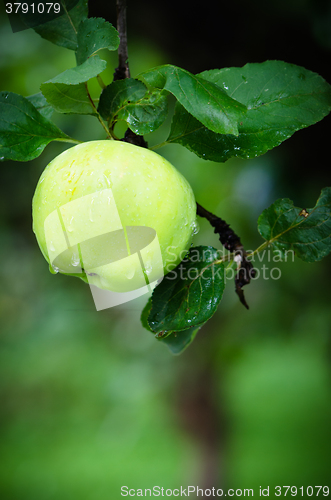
pixel 231 241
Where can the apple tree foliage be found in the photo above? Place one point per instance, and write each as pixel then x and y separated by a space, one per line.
pixel 219 114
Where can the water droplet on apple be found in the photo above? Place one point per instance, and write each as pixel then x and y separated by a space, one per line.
pixel 106 175
pixel 148 270
pixel 75 259
pixel 130 273
pixel 70 230
pixel 195 227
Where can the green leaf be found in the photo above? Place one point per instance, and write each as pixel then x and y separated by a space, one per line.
pixel 63 29
pixel 205 100
pixel 93 35
pixel 73 76
pixel 68 98
pixel 144 315
pixel 177 342
pixel 41 105
pixel 117 95
pixel 147 114
pixel 24 132
pixel 189 295
pixel 67 92
pixel 129 100
pixel 306 231
pixel 281 98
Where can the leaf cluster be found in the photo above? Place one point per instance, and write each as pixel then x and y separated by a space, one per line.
pixel 219 114
pixel 190 294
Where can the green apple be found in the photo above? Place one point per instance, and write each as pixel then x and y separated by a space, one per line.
pixel 112 213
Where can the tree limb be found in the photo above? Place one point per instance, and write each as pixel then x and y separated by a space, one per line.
pixel 122 71
pixel 231 241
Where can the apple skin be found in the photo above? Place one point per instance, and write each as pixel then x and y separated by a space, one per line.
pixel 147 191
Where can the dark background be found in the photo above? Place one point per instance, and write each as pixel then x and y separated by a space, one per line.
pixel 215 34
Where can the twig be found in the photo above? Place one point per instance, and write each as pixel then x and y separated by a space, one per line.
pixel 101 82
pixel 96 112
pixel 72 141
pixel 122 71
pixel 231 241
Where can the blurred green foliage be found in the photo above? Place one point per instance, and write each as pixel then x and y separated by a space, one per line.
pixel 90 401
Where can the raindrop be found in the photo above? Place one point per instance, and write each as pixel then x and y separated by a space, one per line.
pixel 130 273
pixel 69 227
pixel 75 260
pixel 195 227
pixel 106 175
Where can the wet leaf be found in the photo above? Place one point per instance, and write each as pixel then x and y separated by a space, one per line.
pixel 306 231
pixel 281 98
pixel 176 342
pixel 129 100
pixel 189 295
pixel 24 132
pixel 203 99
pixel 144 315
pixel 93 35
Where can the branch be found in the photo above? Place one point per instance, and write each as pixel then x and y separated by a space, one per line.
pixel 96 111
pixel 122 71
pixel 231 241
